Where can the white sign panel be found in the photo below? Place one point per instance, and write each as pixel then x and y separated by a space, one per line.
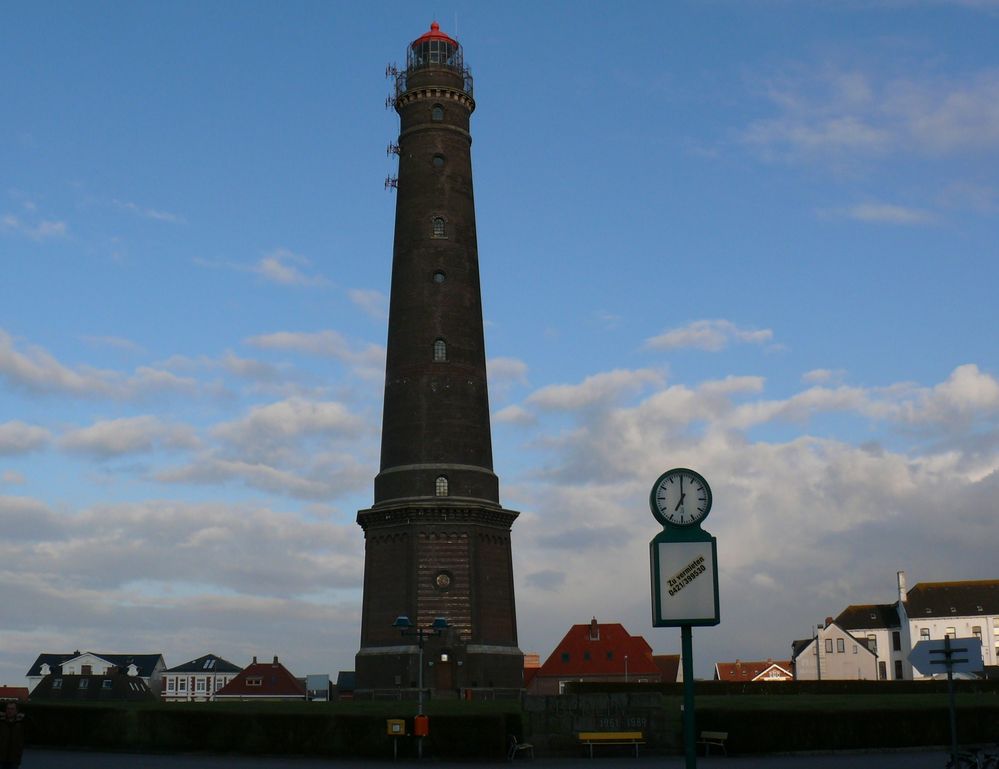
pixel 930 657
pixel 686 582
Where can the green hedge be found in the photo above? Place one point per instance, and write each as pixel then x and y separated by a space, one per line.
pixel 250 729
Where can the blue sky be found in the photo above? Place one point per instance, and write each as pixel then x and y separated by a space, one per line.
pixel 753 238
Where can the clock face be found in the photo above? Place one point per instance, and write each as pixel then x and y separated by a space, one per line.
pixel 680 497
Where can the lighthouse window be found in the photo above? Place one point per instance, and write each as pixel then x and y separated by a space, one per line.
pixel 438 161
pixel 440 351
pixel 439 276
pixel 439 229
pixel 440 487
pixel 437 113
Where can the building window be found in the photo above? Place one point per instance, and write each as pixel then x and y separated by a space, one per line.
pixel 840 645
pixel 872 642
pixel 440 351
pixel 896 641
pixel 610 655
pixel 439 228
pixel 565 656
pixel 924 634
pixel 976 631
pixel 171 685
pixel 438 161
pixel 437 113
pixel 439 276
pixel 57 683
pixel 255 681
pixel 106 684
pixel 84 683
pixel 950 633
pixel 898 670
pixel 440 486
pixel 882 671
pixel 182 685
pixel 586 655
pixel 201 684
pixel 828 646
pixel 855 648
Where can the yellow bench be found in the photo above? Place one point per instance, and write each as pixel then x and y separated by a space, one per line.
pixel 611 738
pixel 718 739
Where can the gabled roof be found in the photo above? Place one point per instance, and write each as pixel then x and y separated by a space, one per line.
pixel 751 670
pixel 209 663
pixel 869 616
pixel 597 649
pixel 346 680
pixel 798 646
pixel 145 663
pixel 114 687
pixel 953 599
pixel 263 679
pixel 669 666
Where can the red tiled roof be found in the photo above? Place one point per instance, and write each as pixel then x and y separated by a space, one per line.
pixel 579 654
pixel 274 681
pixel 669 665
pixel 750 670
pixel 14 693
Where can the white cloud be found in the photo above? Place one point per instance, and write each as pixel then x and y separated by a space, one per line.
pixel 368 360
pixel 43 229
pixel 283 267
pixel 823 376
pixel 38 372
pixel 148 213
pixel 372 303
pixel 12 478
pixel 599 388
pixel 515 415
pixel 881 213
pixel 290 419
pixel 20 438
pixel 711 335
pixel 503 370
pixel 129 435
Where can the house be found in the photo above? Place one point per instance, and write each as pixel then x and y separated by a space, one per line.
pixel 596 652
pixel 833 654
pixel 318 687
pixel 933 610
pixel 197 680
pixel 263 681
pixel 879 624
pixel 669 667
pixel 148 667
pixel 766 670
pixel 345 683
pixel 13 693
pixel 113 685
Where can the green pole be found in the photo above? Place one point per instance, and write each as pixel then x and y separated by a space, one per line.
pixel 689 731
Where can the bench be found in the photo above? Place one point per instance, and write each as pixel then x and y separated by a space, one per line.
pixel 717 739
pixel 516 746
pixel 611 738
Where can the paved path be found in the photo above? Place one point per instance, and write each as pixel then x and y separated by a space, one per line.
pixel 60 759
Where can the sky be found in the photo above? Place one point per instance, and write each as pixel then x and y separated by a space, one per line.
pixel 750 237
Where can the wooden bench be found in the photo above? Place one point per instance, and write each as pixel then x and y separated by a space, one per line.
pixel 611 738
pixel 717 739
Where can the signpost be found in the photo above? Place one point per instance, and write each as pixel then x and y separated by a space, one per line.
pixel 958 655
pixel 684 570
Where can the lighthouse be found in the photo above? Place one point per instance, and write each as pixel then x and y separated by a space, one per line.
pixel 438 610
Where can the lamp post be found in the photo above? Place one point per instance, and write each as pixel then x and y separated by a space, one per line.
pixel 405 626
pixel 626 668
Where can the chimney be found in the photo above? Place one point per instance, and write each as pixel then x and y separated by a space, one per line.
pixel 901 586
pixel 254 660
pixel 594 630
pixel 828 621
pixel 275 659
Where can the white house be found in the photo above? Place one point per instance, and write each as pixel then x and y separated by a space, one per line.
pixel 148 667
pixel 197 680
pixel 833 654
pixel 879 625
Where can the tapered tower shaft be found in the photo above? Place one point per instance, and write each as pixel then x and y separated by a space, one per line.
pixel 437 541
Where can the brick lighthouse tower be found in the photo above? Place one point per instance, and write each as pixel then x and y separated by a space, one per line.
pixel 437 541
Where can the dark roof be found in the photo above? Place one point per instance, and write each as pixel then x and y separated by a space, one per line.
pixel 114 687
pixel 669 666
pixel 798 646
pixel 346 680
pixel 953 599
pixel 864 616
pixel 209 663
pixel 272 680
pixel 145 663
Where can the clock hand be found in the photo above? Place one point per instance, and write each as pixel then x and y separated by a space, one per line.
pixel 678 504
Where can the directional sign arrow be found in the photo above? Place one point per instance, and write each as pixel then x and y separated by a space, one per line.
pixel 964 655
